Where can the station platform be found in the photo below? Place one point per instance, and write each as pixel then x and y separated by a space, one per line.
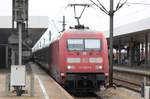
pixel 133 69
pixel 119 93
pixel 45 86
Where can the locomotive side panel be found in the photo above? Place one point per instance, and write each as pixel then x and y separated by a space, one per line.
pixel 105 52
pixel 42 57
pixel 62 59
pixel 54 61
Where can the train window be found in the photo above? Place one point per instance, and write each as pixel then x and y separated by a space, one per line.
pixel 92 44
pixel 75 44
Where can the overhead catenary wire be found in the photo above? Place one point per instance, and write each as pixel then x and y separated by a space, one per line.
pixel 133 3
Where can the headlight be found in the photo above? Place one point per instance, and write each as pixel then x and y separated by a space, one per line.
pixel 73 60
pixel 96 60
pixel 106 74
pixel 70 67
pixel 62 74
pixel 99 67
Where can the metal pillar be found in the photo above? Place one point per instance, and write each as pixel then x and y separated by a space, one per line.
pixel 142 51
pixel 142 48
pixel 149 56
pixel 17 38
pixel 20 43
pixel 146 50
pixel 133 52
pixel 6 48
pixel 63 24
pixel 130 53
pixel 137 48
pixel 119 56
pixel 128 48
pixel 12 57
pixel 129 64
pixel 19 22
pixel 111 14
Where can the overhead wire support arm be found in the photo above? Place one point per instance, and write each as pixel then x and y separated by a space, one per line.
pixel 80 14
pixel 88 5
pixel 103 9
pixel 74 11
pixel 120 5
pixel 82 11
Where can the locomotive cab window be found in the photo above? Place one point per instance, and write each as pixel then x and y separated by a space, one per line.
pixel 92 44
pixel 84 44
pixel 75 44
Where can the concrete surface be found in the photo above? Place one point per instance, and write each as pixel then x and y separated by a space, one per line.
pixel 45 87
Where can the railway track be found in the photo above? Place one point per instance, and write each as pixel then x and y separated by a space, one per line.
pixel 87 96
pixel 127 84
pixel 131 79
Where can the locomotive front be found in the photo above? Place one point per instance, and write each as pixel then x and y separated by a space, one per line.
pixel 85 61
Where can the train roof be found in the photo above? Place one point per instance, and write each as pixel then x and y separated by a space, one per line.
pixel 81 30
pixel 78 31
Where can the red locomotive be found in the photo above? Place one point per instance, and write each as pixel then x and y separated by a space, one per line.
pixel 78 59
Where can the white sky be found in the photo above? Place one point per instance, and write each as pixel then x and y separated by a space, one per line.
pixel 92 16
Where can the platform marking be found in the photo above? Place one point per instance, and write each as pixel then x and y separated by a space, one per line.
pixel 42 87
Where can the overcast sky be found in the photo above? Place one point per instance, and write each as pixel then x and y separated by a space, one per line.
pixel 92 17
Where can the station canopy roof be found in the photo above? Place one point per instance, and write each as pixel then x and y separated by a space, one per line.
pixel 134 32
pixel 37 26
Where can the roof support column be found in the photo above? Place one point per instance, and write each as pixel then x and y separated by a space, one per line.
pixel 116 57
pixel 130 58
pixel 142 49
pixel 119 56
pixel 138 52
pixel 146 50
pixel 6 48
pixel 130 52
pixel 149 56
